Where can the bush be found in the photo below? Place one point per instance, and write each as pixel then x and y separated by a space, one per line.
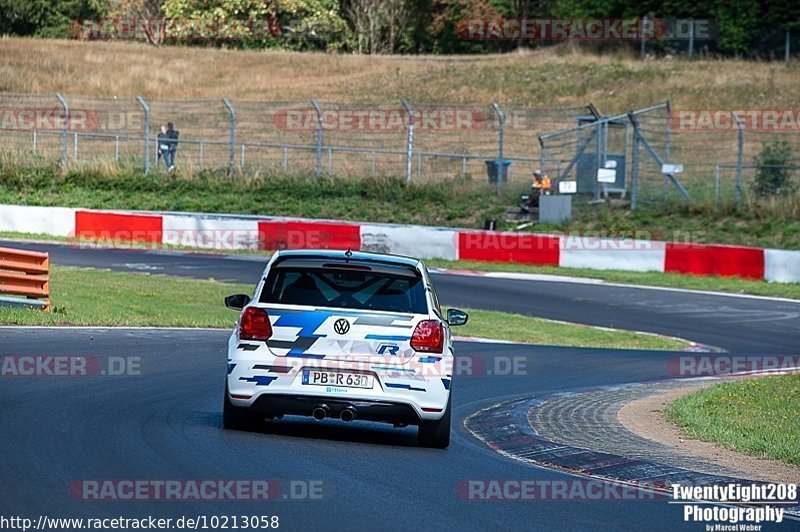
pixel 773 174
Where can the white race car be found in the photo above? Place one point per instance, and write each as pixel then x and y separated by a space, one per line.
pixel 347 335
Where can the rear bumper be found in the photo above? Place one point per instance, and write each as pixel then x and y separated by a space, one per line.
pixel 271 405
pixel 264 383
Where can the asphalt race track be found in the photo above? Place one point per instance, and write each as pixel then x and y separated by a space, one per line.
pixel 737 324
pixel 162 422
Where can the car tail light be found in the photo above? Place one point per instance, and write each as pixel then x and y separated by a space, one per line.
pixel 428 337
pixel 254 324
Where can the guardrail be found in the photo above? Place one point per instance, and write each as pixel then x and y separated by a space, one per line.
pixel 27 274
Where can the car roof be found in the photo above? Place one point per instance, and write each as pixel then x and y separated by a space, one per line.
pixel 355 256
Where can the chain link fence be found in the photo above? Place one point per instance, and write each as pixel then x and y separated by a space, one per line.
pixel 417 141
pixel 657 154
pixel 647 155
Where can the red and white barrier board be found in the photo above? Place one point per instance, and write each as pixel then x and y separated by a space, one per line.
pixel 231 232
pixel 612 254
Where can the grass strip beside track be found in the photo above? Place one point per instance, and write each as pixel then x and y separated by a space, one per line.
pixel 710 283
pixel 92 297
pixel 455 202
pixel 759 416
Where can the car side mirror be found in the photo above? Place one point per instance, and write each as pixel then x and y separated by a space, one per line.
pixel 237 302
pixel 457 317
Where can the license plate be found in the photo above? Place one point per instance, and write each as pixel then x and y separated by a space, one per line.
pixel 337 378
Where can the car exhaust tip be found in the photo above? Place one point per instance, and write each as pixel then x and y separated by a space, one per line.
pixel 320 412
pixel 348 414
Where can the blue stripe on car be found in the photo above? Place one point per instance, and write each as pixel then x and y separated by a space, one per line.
pixel 231 365
pixel 429 360
pixel 446 383
pixel 404 387
pixel 391 368
pixel 387 337
pixel 259 380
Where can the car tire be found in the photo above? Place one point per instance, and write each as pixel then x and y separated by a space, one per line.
pixel 236 417
pixel 436 434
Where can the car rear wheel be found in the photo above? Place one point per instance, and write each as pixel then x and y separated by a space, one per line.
pixel 236 417
pixel 436 434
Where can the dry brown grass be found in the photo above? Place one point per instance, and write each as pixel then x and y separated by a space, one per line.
pixel 560 76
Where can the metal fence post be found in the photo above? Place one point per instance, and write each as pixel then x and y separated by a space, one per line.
pixel 146 110
pixel 318 110
pixel 232 141
pixel 75 147
pixel 598 159
pixel 65 106
pixel 668 134
pixel 501 167
pixel 409 139
pixel 35 140
pixel 542 156
pixel 716 184
pixel 635 172
pixel 739 156
pixel 643 45
pixel 787 46
pixel 691 39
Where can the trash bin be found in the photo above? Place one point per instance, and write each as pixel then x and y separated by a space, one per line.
pixel 493 169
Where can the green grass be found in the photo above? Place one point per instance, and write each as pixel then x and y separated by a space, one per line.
pixel 101 297
pixel 760 417
pixel 733 285
pixel 490 324
pixel 453 203
pixel 456 202
pixel 772 224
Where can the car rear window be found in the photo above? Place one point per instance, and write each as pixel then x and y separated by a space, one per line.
pixel 351 289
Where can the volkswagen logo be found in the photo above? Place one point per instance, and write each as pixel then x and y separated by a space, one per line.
pixel 341 326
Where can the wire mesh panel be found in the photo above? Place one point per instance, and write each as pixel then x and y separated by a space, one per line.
pixel 625 154
pixel 655 149
pixel 33 125
pixel 364 139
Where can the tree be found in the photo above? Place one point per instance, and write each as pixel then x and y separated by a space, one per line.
pixel 313 24
pixel 378 24
pixel 245 23
pixel 773 173
pixel 148 10
pixel 46 18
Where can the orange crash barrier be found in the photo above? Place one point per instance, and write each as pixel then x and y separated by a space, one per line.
pixel 26 275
